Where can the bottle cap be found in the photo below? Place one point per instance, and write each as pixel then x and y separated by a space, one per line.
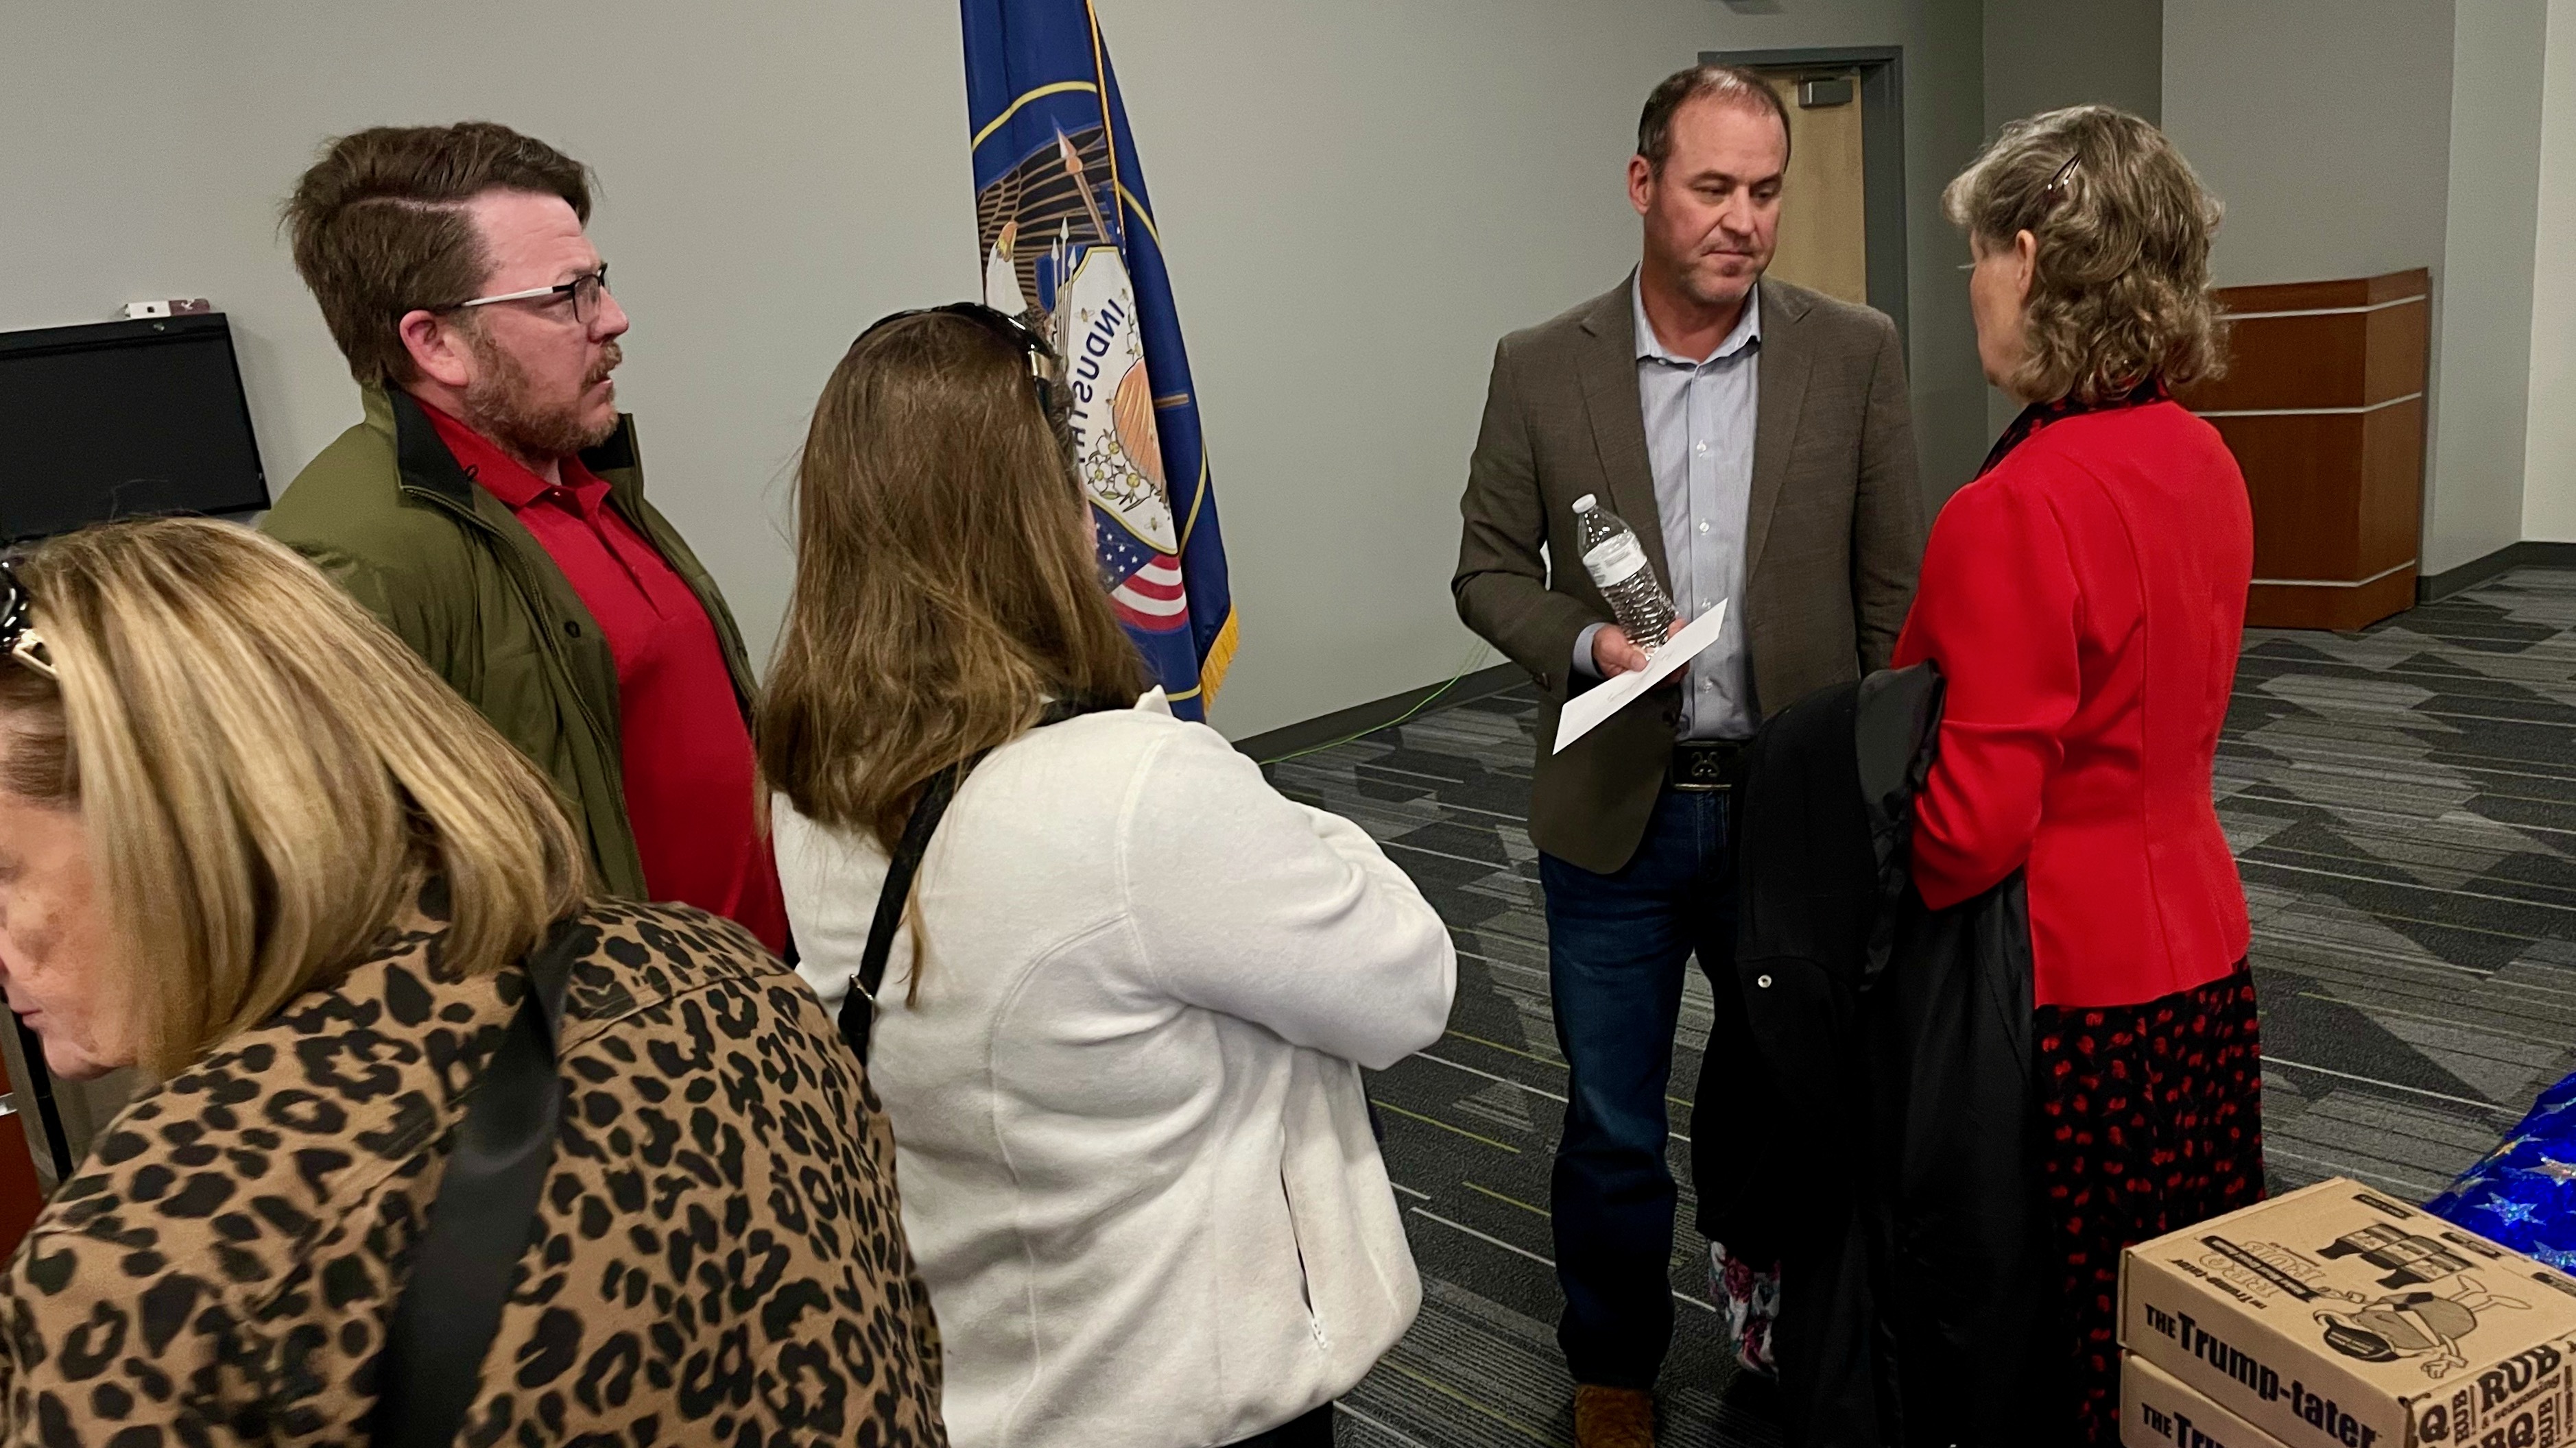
pixel 1583 504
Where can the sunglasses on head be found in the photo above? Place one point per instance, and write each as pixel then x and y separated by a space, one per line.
pixel 1043 361
pixel 18 637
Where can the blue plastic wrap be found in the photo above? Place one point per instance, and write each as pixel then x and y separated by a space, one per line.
pixel 2523 1194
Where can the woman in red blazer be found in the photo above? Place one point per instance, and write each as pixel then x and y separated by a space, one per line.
pixel 2085 598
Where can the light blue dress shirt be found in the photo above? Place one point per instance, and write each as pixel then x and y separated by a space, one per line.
pixel 1699 441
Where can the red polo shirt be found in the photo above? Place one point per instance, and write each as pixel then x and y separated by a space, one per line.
pixel 686 751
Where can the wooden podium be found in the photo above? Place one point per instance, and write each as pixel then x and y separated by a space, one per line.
pixel 2323 405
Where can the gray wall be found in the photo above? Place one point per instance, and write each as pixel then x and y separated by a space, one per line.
pixel 1944 126
pixel 1358 199
pixel 2549 498
pixel 1357 208
pixel 2325 127
pixel 2482 381
pixel 773 176
pixel 2044 54
pixel 1365 199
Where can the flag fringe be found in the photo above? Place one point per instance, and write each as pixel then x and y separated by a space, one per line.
pixel 1220 657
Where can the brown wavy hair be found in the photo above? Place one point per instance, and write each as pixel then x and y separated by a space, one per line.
pixel 2119 293
pixel 946 585
pixel 378 226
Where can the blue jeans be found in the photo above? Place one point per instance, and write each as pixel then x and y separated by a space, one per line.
pixel 1616 948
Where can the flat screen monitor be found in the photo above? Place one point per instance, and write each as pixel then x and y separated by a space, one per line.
pixel 123 419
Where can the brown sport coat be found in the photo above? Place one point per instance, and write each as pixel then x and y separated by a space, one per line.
pixel 1833 535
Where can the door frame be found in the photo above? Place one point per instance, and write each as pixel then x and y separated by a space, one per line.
pixel 1882 140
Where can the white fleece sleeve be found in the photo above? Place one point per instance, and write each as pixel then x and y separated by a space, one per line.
pixel 1245 902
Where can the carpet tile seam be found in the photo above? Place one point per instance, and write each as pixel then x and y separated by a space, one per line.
pixel 2430 762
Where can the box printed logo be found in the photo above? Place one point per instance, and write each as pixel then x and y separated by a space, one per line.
pixel 2334 1317
pixel 2413 1325
pixel 2404 1323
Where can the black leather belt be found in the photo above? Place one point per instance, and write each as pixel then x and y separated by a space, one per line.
pixel 1704 764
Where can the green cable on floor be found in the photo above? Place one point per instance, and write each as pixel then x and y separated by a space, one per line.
pixel 1474 661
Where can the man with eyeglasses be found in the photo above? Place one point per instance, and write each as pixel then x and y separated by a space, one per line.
pixel 490 509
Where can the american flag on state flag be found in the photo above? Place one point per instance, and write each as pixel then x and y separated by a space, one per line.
pixel 1145 585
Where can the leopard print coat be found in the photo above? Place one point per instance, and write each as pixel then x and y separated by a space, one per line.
pixel 718 1257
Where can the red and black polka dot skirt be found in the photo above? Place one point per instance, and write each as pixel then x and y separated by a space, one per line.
pixel 2151 1120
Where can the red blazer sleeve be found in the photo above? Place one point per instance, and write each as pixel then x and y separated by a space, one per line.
pixel 1997 612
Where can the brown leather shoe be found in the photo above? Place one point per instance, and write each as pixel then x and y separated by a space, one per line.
pixel 1613 1417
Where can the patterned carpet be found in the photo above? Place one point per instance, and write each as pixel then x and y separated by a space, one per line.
pixel 2403 802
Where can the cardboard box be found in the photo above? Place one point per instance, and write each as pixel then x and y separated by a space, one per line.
pixel 2339 1316
pixel 2157 1411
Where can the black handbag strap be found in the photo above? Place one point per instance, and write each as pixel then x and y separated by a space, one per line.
pixel 859 1007
pixel 450 1308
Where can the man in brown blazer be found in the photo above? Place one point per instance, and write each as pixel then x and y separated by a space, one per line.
pixel 1757 438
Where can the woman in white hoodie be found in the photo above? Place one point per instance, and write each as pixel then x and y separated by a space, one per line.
pixel 1118 1034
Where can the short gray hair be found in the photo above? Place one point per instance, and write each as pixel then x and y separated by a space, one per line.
pixel 2119 292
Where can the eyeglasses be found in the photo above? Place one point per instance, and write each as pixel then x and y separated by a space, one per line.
pixel 1043 361
pixel 585 291
pixel 18 637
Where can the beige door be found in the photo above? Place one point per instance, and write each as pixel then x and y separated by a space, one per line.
pixel 1824 228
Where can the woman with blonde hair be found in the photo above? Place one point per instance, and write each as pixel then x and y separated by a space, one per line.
pixel 2085 598
pixel 419 1102
pixel 1120 1027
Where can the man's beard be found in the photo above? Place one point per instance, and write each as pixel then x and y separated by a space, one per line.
pixel 497 405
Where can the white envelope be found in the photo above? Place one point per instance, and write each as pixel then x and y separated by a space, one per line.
pixel 1585 711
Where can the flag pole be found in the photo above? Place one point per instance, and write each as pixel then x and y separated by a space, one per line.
pixel 1108 128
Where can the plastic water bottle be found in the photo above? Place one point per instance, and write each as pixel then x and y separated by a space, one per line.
pixel 1617 563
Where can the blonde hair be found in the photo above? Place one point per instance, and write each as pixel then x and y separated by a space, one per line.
pixel 267 776
pixel 2119 291
pixel 945 588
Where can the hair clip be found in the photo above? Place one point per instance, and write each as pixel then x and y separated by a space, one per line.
pixel 18 636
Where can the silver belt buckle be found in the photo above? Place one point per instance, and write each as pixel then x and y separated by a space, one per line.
pixel 1701 771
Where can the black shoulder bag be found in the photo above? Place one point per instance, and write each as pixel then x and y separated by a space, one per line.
pixel 450 1309
pixel 859 1007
